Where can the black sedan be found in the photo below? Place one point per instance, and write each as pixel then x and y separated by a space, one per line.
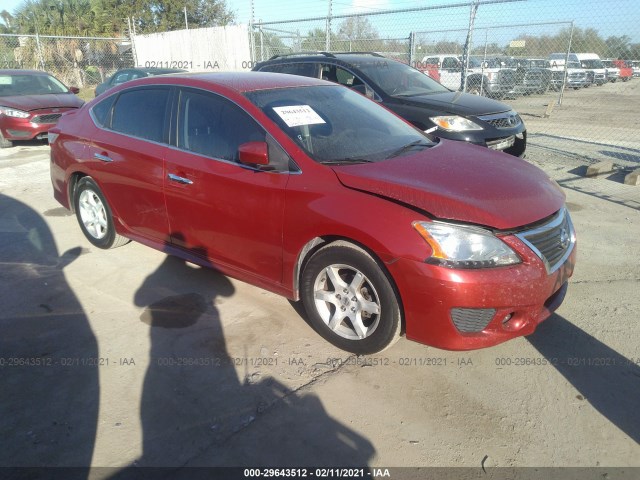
pixel 127 74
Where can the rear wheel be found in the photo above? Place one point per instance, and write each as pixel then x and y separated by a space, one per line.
pixel 94 215
pixel 350 300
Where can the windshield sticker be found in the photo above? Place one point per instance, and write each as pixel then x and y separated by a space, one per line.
pixel 297 115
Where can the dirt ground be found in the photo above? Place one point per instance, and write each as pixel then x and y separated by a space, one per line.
pixel 129 357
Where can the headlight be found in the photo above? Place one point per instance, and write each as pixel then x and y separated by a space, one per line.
pixel 12 112
pixel 454 123
pixel 459 246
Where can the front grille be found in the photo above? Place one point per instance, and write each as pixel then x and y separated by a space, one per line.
pixel 50 118
pixel 470 320
pixel 503 120
pixel 553 241
pixel 507 77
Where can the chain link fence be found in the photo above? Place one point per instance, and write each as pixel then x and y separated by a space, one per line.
pixel 567 68
pixel 82 62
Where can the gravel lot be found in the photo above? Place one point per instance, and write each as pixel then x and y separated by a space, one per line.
pixel 232 375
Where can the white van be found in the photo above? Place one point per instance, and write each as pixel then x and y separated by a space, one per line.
pixel 591 62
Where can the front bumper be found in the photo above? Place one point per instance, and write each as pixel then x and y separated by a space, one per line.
pixel 525 292
pixel 35 126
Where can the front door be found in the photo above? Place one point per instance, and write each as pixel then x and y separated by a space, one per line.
pixel 217 208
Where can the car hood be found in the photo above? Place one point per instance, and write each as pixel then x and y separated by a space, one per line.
pixel 461 182
pixel 36 102
pixel 458 103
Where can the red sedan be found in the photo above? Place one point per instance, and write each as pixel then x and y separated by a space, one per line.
pixel 31 102
pixel 312 191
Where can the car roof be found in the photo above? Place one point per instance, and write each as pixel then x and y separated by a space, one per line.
pixel 324 57
pixel 157 71
pixel 238 81
pixel 23 72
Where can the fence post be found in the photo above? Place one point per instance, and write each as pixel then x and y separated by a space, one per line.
pixel 132 38
pixel 39 50
pixel 252 40
pixel 467 46
pixel 261 44
pixel 566 60
pixel 412 46
pixel 327 30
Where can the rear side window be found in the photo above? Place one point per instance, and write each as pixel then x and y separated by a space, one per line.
pixel 101 111
pixel 212 126
pixel 301 69
pixel 141 113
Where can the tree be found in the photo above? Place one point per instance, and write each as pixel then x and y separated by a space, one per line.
pixel 7 22
pixel 357 34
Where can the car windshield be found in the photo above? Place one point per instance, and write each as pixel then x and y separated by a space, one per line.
pixel 336 125
pixel 573 65
pixel 539 63
pixel 395 78
pixel 25 84
pixel 593 63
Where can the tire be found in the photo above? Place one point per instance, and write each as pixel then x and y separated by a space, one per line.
pixel 4 143
pixel 94 215
pixel 474 90
pixel 350 300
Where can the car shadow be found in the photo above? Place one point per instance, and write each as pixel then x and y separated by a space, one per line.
pixel 49 380
pixel 609 381
pixel 201 407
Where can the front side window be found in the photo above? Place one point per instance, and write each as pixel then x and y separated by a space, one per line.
pixel 336 125
pixel 212 126
pixel 121 78
pixel 141 113
pixel 298 68
pixel 450 63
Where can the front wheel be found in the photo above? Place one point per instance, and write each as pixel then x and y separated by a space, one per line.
pixel 474 90
pixel 94 215
pixel 350 300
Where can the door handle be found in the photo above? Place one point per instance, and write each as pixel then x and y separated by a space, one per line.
pixel 176 178
pixel 102 158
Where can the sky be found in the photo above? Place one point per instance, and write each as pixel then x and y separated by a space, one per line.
pixel 609 17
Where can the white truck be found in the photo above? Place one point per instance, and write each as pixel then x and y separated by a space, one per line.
pixel 489 77
pixel 576 75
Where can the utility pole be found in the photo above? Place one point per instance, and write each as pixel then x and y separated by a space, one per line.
pixel 327 42
pixel 186 22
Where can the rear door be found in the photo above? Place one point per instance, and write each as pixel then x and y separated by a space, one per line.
pixel 126 153
pixel 217 208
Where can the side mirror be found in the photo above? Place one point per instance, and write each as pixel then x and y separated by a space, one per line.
pixel 254 153
pixel 75 90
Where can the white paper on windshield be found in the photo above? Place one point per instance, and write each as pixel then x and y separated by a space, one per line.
pixel 297 115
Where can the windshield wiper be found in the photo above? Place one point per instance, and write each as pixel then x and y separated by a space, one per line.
pixel 408 146
pixel 416 94
pixel 342 161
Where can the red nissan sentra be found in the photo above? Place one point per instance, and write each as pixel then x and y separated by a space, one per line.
pixel 312 191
